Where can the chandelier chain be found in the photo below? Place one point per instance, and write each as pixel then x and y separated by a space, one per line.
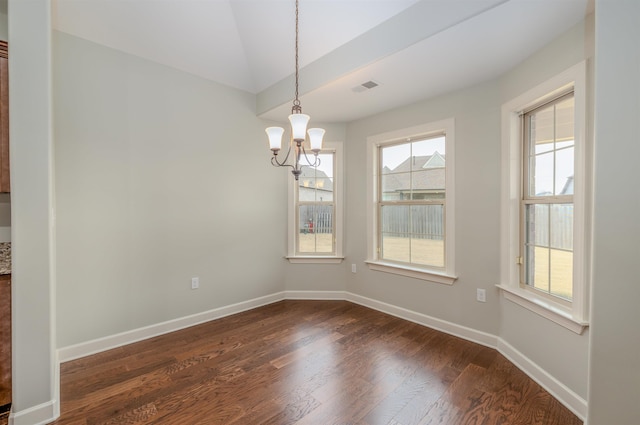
pixel 296 102
pixel 298 127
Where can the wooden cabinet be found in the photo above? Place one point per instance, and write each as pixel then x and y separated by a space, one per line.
pixel 5 185
pixel 5 342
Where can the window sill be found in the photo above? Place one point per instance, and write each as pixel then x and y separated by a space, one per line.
pixel 544 308
pixel 314 259
pixel 414 272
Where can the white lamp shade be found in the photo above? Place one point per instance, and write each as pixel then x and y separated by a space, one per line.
pixel 275 137
pixel 315 138
pixel 299 125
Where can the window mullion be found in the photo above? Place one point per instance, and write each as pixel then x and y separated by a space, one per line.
pixel 563 199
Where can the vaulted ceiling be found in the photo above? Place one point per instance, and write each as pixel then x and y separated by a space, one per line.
pixel 413 49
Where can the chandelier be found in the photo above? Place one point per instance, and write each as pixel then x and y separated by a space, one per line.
pixel 299 132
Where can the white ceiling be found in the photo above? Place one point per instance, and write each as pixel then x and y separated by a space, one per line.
pixel 413 48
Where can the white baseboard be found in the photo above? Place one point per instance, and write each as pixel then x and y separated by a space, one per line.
pixel 37 415
pixel 565 395
pixel 450 328
pixel 315 295
pixel 561 392
pixel 113 341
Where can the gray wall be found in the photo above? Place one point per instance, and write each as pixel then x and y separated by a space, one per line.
pixel 160 176
pixel 557 350
pixel 477 137
pixel 477 140
pixel 613 372
pixel 33 281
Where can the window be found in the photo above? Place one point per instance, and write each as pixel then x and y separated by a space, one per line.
pixel 315 198
pixel 411 202
pixel 315 208
pixel 411 180
pixel 545 200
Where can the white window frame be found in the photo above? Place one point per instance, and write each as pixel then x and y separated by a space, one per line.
pixel 444 275
pixel 337 149
pixel 572 315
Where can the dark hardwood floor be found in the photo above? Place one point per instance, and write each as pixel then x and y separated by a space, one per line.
pixel 304 362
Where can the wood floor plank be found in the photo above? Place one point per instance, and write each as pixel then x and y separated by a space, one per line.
pixel 442 412
pixel 304 363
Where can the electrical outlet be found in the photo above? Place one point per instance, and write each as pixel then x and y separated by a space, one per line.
pixel 353 268
pixel 195 282
pixel 481 295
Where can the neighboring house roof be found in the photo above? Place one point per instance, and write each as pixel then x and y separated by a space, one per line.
pixel 315 179
pixel 428 174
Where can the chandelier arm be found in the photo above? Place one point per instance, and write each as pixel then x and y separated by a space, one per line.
pixel 276 163
pixel 316 160
pixel 274 158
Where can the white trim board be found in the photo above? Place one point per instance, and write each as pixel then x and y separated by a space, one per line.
pixel 560 391
pixel 315 295
pixel 450 328
pixel 37 415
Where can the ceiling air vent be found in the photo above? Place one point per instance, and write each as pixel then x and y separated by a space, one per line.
pixel 365 86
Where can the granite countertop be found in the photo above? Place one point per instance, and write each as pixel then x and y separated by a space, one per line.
pixel 5 258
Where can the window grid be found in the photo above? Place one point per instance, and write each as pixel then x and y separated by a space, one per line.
pixel 547 266
pixel 315 216
pixel 417 202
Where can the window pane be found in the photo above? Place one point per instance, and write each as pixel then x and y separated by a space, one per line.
pixel 548 248
pixel 315 234
pixel 396 238
pixel 540 265
pixel 396 187
pixel 307 189
pixel 561 273
pixel 428 153
pixel 565 123
pixel 428 184
pixel 565 144
pixel 413 172
pixel 325 169
pixel 394 157
pixel 551 152
pixel 537 224
pixel 541 130
pixel 396 247
pixel 536 246
pixel 427 235
pixel 561 226
pixel 548 227
pixel 564 172
pixel 541 175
